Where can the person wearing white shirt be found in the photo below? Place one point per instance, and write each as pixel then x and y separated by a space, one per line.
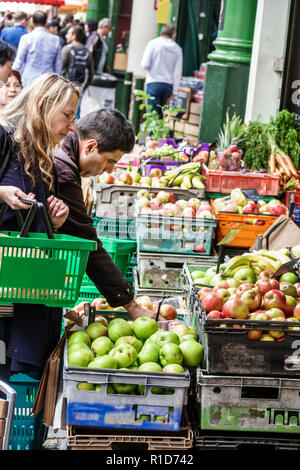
pixel 39 52
pixel 162 60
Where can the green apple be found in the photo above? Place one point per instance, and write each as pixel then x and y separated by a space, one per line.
pixel 149 353
pixel 104 362
pixel 170 353
pixel 102 345
pixel 164 337
pixel 246 275
pixel 98 387
pixel 124 354
pixel 118 329
pixel 197 274
pixel 124 388
pixel 173 369
pixel 210 273
pixel 192 352
pixel 79 358
pixel 144 327
pixel 292 278
pixel 96 329
pixel 86 386
pixel 110 389
pixel 150 367
pixel 76 346
pixel 187 338
pixel 135 342
pixel 79 336
pixel 182 329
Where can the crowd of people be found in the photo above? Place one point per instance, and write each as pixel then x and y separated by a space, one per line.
pixel 36 45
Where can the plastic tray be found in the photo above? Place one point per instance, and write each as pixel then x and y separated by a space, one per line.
pixel 61 260
pixel 257 404
pixel 228 350
pixel 162 165
pixel 225 181
pixel 246 223
pixel 123 229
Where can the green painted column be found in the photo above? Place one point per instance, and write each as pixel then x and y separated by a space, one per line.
pixel 97 9
pixel 227 73
pixel 114 16
pixel 139 86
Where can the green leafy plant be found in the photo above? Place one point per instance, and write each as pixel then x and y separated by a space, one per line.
pixel 152 123
pixel 231 132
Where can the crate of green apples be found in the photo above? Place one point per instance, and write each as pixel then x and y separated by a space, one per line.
pixel 117 372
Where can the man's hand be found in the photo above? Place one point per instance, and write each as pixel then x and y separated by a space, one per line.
pixel 58 211
pixel 135 310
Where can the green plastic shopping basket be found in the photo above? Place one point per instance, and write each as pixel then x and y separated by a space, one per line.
pixel 41 268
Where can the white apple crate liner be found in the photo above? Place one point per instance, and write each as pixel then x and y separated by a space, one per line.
pixel 115 201
pixel 164 271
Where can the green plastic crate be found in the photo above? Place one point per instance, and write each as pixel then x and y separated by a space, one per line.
pixel 27 432
pixel 62 262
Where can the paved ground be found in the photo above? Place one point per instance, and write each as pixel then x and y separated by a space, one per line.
pixel 56 440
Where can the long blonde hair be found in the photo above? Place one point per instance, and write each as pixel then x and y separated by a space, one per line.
pixel 28 118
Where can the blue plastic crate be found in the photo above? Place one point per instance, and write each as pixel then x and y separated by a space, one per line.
pixel 296 214
pixel 27 432
pixel 173 234
pixel 115 228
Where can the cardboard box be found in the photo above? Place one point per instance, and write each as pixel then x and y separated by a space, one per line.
pixel 194 119
pixel 179 126
pixel 191 129
pixel 120 61
pixel 195 108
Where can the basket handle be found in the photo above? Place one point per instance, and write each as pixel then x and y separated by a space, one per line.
pixel 25 226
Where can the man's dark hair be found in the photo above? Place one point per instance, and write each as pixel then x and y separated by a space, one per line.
pixel 92 24
pixel 110 128
pixel 68 19
pixel 78 33
pixel 39 18
pixel 7 53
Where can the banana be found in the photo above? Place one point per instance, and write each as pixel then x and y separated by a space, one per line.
pixel 177 181
pixel 197 183
pixel 265 264
pixel 274 255
pixel 235 262
pixel 187 181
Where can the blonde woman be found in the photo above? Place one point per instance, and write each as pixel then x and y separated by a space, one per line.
pixel 34 123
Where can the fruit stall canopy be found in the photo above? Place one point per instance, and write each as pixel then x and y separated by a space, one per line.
pixel 55 3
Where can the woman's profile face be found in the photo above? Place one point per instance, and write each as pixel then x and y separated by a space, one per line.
pixel 63 121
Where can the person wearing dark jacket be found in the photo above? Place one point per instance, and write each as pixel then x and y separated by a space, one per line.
pixel 102 137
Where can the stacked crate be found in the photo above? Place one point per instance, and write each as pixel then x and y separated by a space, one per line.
pixel 165 243
pixel 190 127
pixel 248 393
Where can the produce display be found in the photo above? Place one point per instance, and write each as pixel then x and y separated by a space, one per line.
pixel 245 289
pixel 142 344
pixel 237 202
pixel 163 203
pixel 230 159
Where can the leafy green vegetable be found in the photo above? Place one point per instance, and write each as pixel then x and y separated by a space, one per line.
pixel 287 134
pixel 255 145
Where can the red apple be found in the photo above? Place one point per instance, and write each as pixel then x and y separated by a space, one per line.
pixel 199 248
pixel 264 285
pixel 250 207
pixel 265 274
pixel 172 198
pixel 221 292
pixel 203 292
pixel 215 314
pixel 274 313
pixel 212 302
pixel 254 334
pixel 244 287
pixel 296 313
pixel 188 212
pixel 297 285
pixel 125 178
pixel 168 312
pixel 274 298
pixel 291 304
pixel 252 298
pixel 279 209
pixel 155 172
pixel 107 178
pixel 235 308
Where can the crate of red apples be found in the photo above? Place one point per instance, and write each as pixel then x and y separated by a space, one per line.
pixel 253 218
pixel 249 321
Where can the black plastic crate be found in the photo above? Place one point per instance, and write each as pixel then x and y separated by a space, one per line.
pixel 229 351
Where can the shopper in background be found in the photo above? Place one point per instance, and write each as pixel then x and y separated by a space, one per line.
pixel 104 30
pixel 7 54
pixel 11 88
pixel 67 23
pixel 13 34
pixel 101 139
pixel 93 42
pixel 162 60
pixel 39 52
pixel 77 61
pixel 34 122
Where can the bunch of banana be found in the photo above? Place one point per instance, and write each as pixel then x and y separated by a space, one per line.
pixel 257 262
pixel 186 176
